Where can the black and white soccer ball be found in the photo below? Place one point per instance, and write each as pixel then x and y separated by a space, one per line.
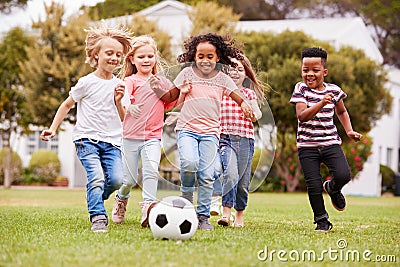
pixel 173 218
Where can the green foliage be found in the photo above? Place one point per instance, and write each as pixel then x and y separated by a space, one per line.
pixel 15 166
pixel 56 62
pixel 221 20
pixel 387 178
pixel 45 166
pixel 117 8
pixel 13 106
pixel 6 6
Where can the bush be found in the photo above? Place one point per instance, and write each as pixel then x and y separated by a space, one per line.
pixel 16 165
pixel 44 166
pixel 387 178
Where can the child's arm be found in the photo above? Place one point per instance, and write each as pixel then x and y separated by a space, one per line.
pixel 240 100
pixel 344 119
pixel 62 111
pixel 119 92
pixel 305 114
pixel 166 96
pixel 256 109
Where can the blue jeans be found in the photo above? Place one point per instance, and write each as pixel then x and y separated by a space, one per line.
pixel 198 153
pixel 310 161
pixel 236 153
pixel 150 152
pixel 103 164
pixel 217 188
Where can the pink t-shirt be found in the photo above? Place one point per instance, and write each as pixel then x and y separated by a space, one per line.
pixel 150 123
pixel 202 106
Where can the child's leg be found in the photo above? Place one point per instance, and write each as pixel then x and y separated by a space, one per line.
pixel 111 160
pixel 88 153
pixel 230 174
pixel 310 160
pixel 130 163
pixel 337 163
pixel 189 161
pixel 150 154
pixel 208 153
pixel 245 155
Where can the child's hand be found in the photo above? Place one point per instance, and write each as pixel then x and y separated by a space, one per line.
pixel 354 135
pixel 172 117
pixel 46 135
pixel 155 85
pixel 119 91
pixel 186 87
pixel 247 110
pixel 327 98
pixel 135 110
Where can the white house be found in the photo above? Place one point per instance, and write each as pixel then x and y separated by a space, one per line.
pixel 171 16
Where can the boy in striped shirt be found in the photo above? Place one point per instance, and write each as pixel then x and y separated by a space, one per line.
pixel 317 138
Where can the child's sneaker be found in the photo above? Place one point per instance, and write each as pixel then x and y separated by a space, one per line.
pixel 323 226
pixel 337 198
pixel 99 223
pixel 119 210
pixel 215 207
pixel 146 207
pixel 204 224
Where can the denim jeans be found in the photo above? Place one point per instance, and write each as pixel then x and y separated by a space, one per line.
pixel 236 153
pixel 103 164
pixel 310 160
pixel 150 152
pixel 198 153
pixel 217 187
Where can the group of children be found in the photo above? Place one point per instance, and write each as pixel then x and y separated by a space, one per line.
pixel 120 121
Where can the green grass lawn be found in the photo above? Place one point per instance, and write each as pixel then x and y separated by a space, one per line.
pixel 42 227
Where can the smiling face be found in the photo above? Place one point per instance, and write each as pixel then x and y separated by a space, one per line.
pixel 313 72
pixel 237 74
pixel 109 56
pixel 144 60
pixel 206 58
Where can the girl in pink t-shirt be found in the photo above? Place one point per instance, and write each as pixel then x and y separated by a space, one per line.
pixel 202 84
pixel 142 126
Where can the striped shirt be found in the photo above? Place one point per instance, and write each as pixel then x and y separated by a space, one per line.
pixel 232 118
pixel 320 130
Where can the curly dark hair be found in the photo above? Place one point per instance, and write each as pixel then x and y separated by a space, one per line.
pixel 315 52
pixel 226 48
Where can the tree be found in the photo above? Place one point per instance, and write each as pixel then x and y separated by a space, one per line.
pixel 279 61
pixel 221 20
pixel 55 63
pixel 13 111
pixel 6 6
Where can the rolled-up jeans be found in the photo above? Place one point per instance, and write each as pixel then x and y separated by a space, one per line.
pixel 236 154
pixel 150 152
pixel 310 159
pixel 198 153
pixel 103 164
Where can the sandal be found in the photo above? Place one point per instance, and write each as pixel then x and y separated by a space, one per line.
pixel 224 221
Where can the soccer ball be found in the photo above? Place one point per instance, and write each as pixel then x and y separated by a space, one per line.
pixel 173 218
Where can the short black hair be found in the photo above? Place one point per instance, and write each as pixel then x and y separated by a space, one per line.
pixel 315 52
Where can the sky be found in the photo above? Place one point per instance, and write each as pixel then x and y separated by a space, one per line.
pixel 35 10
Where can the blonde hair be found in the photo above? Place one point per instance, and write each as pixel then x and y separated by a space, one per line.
pixel 128 68
pixel 94 38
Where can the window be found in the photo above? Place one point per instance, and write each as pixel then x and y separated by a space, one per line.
pixel 389 157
